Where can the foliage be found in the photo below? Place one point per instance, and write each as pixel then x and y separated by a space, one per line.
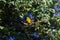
pixel 45 20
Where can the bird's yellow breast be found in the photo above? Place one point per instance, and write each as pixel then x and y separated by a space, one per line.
pixel 28 20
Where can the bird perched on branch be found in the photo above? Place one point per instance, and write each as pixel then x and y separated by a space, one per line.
pixel 28 19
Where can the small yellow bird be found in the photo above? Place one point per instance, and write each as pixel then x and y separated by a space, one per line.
pixel 28 20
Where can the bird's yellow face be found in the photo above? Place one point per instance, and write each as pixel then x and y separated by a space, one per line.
pixel 28 20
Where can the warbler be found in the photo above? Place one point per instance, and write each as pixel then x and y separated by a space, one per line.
pixel 29 17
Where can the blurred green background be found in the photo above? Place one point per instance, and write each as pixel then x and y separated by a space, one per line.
pixel 46 24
